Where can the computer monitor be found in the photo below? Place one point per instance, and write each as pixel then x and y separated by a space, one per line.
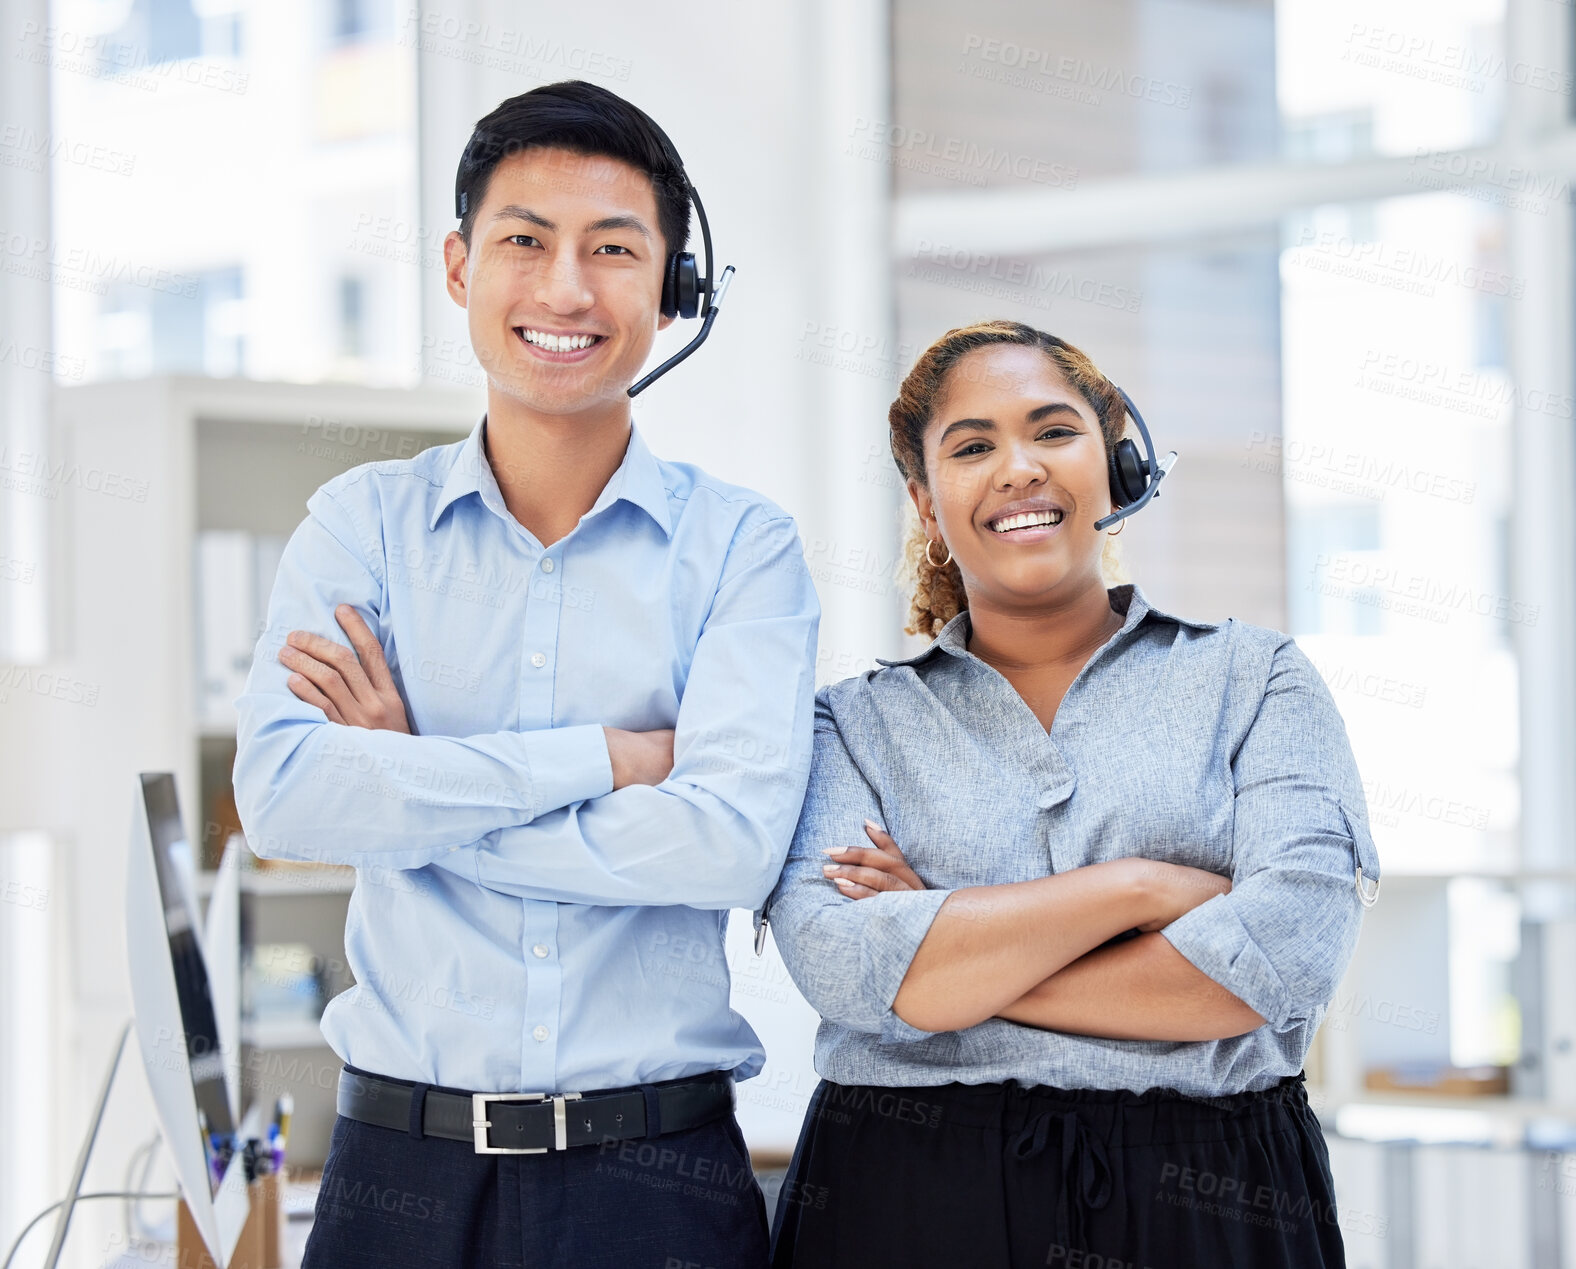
pixel 177 1023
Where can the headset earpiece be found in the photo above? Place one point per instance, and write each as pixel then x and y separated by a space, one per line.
pixel 1134 479
pixel 1129 474
pixel 681 286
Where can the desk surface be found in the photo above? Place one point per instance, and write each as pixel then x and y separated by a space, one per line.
pixel 300 1198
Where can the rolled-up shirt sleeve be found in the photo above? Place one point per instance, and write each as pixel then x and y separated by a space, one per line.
pixel 847 956
pixel 1281 939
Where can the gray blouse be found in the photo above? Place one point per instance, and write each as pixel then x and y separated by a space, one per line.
pixel 1216 746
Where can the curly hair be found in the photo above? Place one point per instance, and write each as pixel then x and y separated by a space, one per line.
pixel 938 591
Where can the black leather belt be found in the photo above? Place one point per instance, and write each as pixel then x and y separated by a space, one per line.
pixel 534 1123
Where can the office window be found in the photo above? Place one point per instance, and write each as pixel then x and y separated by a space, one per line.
pixel 155 31
pixel 228 213
pixel 222 33
pixel 353 20
pixel 1362 374
pixel 1316 533
pixel 1397 459
pixel 184 324
pixel 1363 77
pixel 352 332
pixel 1047 95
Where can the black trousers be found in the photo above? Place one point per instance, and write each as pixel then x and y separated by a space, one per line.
pixel 1006 1175
pixel 684 1200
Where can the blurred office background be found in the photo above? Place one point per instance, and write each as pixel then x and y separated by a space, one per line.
pixel 1326 245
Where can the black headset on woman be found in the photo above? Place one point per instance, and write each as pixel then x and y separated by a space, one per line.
pixel 1134 479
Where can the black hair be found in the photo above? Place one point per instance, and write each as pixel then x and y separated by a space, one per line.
pixel 585 120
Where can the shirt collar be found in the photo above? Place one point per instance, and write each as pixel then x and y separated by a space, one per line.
pixel 465 475
pixel 637 479
pixel 953 637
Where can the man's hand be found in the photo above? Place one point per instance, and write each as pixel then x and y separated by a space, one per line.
pixel 639 757
pixel 351 688
pixel 861 871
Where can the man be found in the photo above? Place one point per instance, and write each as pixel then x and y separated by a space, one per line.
pixel 570 731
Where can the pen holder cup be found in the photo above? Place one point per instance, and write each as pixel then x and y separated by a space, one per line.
pixel 258 1245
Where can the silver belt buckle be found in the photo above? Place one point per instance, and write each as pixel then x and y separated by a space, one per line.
pixel 480 1123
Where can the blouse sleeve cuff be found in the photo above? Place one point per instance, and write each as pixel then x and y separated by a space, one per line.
pixel 1215 942
pixel 894 928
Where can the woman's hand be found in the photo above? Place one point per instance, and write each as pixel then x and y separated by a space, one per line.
pixel 1172 889
pixel 861 871
pixel 351 688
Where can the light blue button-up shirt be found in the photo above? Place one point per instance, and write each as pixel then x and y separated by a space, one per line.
pixel 517 924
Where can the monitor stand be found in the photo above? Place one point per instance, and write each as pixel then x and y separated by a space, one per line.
pixel 63 1220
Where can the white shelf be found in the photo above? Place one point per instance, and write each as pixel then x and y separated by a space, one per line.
pixel 306 879
pixel 1497 1105
pixel 162 461
pixel 283 1033
pixel 297 881
pixel 1564 875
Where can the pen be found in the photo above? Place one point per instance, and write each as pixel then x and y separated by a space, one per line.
pixel 279 1133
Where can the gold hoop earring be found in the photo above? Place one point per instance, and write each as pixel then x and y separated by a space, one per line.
pixel 930 542
pixel 1117 532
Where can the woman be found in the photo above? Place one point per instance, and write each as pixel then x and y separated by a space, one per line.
pixel 1105 888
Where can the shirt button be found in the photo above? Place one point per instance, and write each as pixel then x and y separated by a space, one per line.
pixel 538 659
pixel 539 950
pixel 547 564
pixel 540 1033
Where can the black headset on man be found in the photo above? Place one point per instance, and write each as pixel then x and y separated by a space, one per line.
pixel 687 292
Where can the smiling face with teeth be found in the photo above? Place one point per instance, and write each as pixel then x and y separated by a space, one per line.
pixel 1016 476
pixel 561 282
